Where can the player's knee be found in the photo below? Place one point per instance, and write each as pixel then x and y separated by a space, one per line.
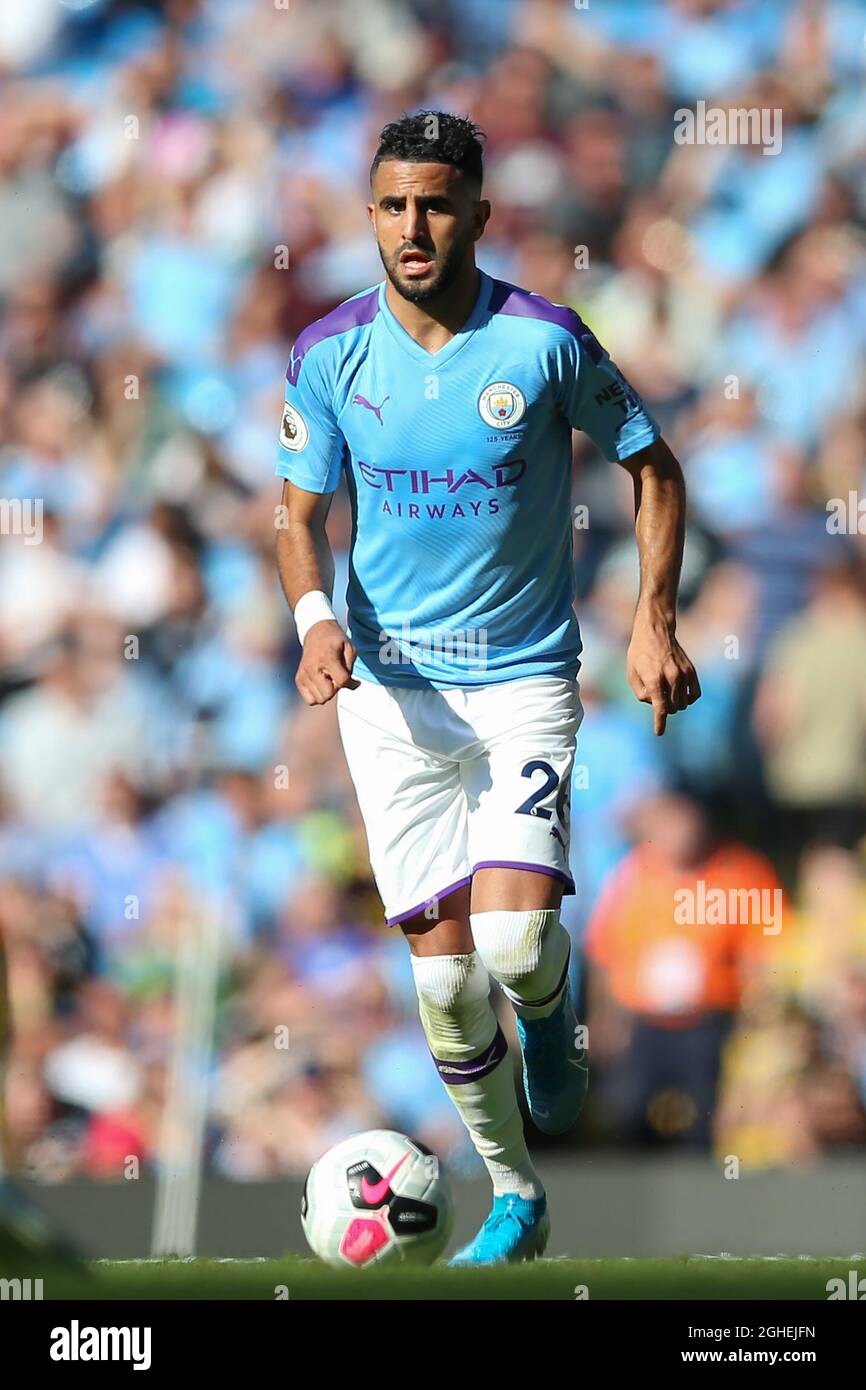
pixel 450 984
pixel 515 946
pixel 454 1005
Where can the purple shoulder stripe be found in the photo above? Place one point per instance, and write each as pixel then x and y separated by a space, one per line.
pixel 509 299
pixel 352 313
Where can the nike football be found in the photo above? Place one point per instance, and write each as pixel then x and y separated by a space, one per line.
pixel 375 1198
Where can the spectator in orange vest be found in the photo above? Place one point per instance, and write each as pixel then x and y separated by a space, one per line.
pixel 677 936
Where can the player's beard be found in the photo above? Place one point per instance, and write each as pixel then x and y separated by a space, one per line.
pixel 443 277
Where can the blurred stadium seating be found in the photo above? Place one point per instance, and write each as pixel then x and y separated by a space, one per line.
pixel 182 189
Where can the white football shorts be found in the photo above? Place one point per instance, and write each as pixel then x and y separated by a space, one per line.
pixel 450 781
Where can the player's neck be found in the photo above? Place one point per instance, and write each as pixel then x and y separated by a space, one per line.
pixel 433 325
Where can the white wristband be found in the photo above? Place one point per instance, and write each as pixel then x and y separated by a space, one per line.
pixel 311 608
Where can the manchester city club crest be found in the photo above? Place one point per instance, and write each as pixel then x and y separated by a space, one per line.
pixel 502 404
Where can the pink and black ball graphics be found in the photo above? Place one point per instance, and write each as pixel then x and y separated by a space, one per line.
pixel 377 1197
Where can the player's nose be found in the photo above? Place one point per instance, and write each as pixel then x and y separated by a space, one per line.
pixel 414 226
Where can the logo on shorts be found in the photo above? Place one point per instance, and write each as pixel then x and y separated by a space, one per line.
pixel 502 404
pixel 294 434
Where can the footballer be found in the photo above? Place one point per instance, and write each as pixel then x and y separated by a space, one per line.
pixel 448 400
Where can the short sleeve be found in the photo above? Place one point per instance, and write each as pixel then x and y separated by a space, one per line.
pixel 310 450
pixel 595 397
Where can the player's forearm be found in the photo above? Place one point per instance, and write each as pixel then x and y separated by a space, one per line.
pixel 659 671
pixel 660 521
pixel 305 560
pixel 306 568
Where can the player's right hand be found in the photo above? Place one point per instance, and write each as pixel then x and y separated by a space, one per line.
pixel 326 664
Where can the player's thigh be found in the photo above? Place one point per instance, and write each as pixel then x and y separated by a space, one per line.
pixel 518 795
pixel 515 890
pixel 412 803
pixel 445 932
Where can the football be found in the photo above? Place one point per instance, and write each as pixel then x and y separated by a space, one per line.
pixel 375 1198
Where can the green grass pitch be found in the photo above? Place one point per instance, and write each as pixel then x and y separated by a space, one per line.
pixel 685 1278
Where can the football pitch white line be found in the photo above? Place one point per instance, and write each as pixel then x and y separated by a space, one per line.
pixel 548 1260
pixel 192 1260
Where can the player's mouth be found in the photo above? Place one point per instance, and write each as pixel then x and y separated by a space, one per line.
pixel 416 263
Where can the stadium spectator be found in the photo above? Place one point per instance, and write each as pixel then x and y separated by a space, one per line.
pixel 674 945
pixel 811 717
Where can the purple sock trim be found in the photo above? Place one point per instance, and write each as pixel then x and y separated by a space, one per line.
pixel 539 1003
pixel 403 916
pixel 459 1073
pixel 532 868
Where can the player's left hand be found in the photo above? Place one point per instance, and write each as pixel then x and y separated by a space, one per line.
pixel 659 672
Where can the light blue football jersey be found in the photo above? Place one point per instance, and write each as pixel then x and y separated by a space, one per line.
pixel 458 465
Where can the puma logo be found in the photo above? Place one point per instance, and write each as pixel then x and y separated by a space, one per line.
pixel 376 409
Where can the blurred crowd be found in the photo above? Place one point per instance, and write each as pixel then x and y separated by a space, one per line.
pixel 182 190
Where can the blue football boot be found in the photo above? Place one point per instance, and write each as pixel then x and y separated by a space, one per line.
pixel 555 1069
pixel 518 1228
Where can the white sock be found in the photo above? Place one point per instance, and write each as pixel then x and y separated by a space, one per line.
pixel 468 1045
pixel 527 953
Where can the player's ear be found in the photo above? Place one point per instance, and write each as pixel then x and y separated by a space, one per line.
pixel 481 218
pixel 371 213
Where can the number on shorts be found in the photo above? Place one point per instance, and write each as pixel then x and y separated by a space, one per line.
pixel 563 807
pixel 530 806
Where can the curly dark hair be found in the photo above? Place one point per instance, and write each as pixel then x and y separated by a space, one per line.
pixel 433 137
